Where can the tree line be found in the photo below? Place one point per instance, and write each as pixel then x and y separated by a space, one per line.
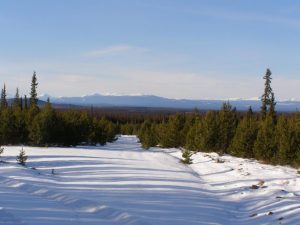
pixel 22 121
pixel 266 136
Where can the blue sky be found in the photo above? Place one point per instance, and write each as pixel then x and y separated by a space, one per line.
pixel 179 49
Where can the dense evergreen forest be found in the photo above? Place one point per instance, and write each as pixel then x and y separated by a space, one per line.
pixel 24 122
pixel 265 135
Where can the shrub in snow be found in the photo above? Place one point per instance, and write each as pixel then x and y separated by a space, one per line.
pixel 22 157
pixel 220 160
pixel 254 186
pixel 186 155
pixel 261 183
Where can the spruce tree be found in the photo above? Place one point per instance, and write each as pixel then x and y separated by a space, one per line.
pixel 171 134
pixel 210 132
pixel 245 137
pixel 268 98
pixel 288 140
pixel 111 130
pixel 193 141
pixel 283 140
pixel 127 128
pixel 21 103
pixel 96 134
pixel 22 157
pixel 8 131
pixel 265 147
pixel 25 102
pixel 101 131
pixel 147 135
pixel 75 127
pixel 33 107
pixel 17 101
pixel 33 92
pixel 190 121
pixel 20 125
pixel 249 112
pixel 186 156
pixel 43 129
pixel 227 123
pixel 3 101
pixel 272 111
pixel 294 156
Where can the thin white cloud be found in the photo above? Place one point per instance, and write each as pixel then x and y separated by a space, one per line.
pixel 115 50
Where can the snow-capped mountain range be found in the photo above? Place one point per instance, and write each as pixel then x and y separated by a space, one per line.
pixel 101 100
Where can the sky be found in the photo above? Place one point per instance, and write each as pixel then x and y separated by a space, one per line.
pixel 193 49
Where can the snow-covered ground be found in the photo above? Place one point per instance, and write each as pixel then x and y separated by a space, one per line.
pixel 122 184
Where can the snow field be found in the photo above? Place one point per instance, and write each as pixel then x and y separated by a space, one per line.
pixel 265 194
pixel 121 183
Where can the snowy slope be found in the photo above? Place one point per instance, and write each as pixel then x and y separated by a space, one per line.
pixel 262 194
pixel 123 184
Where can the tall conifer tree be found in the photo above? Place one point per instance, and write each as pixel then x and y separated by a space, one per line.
pixel 245 136
pixel 265 146
pixel 268 98
pixel 33 92
pixel 193 137
pixel 21 103
pixel 33 107
pixel 210 132
pixel 147 135
pixel 171 134
pixel 17 101
pixel 25 102
pixel 3 101
pixel 228 123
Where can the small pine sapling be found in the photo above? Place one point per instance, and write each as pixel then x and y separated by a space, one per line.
pixel 22 157
pixel 186 155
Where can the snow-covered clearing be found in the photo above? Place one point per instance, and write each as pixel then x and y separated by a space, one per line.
pixel 123 184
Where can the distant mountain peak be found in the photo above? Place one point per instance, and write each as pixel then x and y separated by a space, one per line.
pixel 139 100
pixel 244 99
